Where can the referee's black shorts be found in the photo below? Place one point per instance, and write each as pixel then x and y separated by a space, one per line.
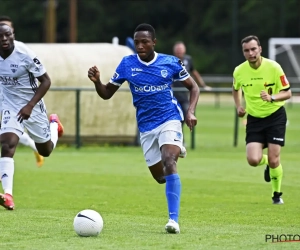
pixel 270 129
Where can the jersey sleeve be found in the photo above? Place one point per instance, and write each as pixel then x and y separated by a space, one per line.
pixel 281 81
pixel 120 74
pixel 236 83
pixel 34 65
pixel 180 72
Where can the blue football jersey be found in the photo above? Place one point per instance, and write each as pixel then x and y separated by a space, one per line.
pixel 150 85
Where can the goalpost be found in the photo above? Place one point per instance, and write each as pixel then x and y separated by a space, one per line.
pixel 286 51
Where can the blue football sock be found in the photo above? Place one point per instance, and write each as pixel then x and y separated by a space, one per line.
pixel 173 190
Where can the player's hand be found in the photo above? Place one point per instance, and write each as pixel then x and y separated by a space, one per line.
pixel 265 96
pixel 240 111
pixel 190 120
pixel 207 88
pixel 94 74
pixel 25 113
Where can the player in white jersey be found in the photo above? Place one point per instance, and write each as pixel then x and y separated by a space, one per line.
pixel 25 138
pixel 150 76
pixel 22 107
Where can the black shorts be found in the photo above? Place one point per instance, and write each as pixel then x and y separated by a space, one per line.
pixel 270 129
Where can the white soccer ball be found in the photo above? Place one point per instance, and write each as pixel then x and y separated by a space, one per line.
pixel 88 223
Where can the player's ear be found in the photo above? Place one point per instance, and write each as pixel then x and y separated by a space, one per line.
pixel 154 41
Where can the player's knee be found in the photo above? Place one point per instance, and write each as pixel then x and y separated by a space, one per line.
pixel 169 163
pixel 253 161
pixel 45 153
pixel 160 179
pixel 274 162
pixel 7 150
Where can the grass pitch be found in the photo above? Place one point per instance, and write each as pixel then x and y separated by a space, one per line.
pixel 225 203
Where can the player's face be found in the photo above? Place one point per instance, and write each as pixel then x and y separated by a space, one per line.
pixel 144 45
pixel 179 50
pixel 6 38
pixel 252 51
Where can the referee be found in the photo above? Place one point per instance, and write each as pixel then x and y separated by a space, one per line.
pixel 265 88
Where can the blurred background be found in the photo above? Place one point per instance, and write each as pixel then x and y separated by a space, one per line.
pixel 211 29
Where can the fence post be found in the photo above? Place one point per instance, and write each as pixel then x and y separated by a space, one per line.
pixel 193 142
pixel 77 120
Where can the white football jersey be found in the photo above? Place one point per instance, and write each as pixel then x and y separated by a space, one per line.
pixel 18 81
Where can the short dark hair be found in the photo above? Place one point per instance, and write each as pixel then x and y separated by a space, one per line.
pixel 247 39
pixel 146 27
pixel 5 18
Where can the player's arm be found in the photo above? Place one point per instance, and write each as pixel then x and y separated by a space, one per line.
pixel 45 84
pixel 237 97
pixel 282 85
pixel 193 88
pixel 105 91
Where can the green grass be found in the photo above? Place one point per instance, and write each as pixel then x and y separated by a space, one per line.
pixel 225 203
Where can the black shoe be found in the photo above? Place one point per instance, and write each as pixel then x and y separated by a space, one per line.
pixel 277 200
pixel 267 174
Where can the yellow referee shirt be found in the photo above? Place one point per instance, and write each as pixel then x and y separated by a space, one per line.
pixel 269 76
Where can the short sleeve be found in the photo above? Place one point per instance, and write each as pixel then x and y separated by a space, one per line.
pixel 236 83
pixel 36 67
pixel 180 72
pixel 281 81
pixel 120 74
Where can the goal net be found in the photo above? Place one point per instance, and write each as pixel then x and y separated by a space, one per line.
pixel 286 51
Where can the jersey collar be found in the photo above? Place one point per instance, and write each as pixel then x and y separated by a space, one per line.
pixel 148 63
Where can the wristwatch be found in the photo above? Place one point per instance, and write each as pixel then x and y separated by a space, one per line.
pixel 273 98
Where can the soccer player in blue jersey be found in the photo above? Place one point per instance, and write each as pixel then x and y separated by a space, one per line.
pixel 159 116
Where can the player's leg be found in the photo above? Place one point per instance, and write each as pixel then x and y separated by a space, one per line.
pixel 11 130
pixel 255 143
pixel 44 134
pixel 27 141
pixel 276 172
pixel 170 141
pixel 276 140
pixel 159 159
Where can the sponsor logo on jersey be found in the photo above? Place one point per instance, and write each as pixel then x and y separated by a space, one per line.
pixel 6 80
pixel 183 73
pixel 37 62
pixel 136 69
pixel 284 81
pixel 149 88
pixel 164 73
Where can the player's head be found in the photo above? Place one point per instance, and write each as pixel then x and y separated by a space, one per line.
pixel 179 49
pixel 7 20
pixel 6 37
pixel 144 41
pixel 251 48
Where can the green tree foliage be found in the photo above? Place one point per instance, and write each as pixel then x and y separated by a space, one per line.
pixel 206 26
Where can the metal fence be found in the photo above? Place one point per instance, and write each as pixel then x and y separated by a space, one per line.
pixel 214 81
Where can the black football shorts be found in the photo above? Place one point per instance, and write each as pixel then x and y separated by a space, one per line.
pixel 270 129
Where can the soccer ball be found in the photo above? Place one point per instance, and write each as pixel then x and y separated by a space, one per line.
pixel 88 223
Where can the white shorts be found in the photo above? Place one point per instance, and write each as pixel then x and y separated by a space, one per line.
pixel 38 126
pixel 168 133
